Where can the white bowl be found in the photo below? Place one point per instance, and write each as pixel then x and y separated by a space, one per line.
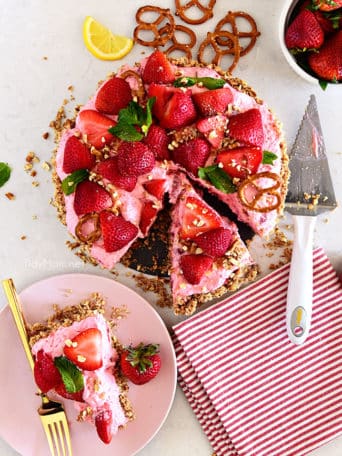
pixel 283 23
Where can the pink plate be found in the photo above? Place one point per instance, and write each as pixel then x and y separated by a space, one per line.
pixel 19 423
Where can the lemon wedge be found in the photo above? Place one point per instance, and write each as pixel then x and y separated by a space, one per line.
pixel 101 42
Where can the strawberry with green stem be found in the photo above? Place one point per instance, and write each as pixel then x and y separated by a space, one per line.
pixel 140 364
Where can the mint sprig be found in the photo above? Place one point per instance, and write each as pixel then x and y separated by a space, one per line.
pixel 5 173
pixel 133 119
pixel 70 183
pixel 209 83
pixel 218 177
pixel 268 157
pixel 71 375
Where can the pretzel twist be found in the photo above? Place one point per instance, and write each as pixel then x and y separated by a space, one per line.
pixel 262 193
pixel 231 47
pixel 93 235
pixel 154 26
pixel 207 11
pixel 176 45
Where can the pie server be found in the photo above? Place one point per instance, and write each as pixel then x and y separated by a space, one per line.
pixel 310 193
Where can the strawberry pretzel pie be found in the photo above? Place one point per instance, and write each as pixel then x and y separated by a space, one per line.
pixel 165 131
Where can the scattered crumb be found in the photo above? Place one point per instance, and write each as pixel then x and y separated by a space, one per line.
pixel 45 135
pixel 45 57
pixel 23 237
pixel 46 166
pixel 10 196
pixel 157 286
pixel 33 173
pixel 326 220
pixel 35 184
pixel 71 88
pixel 34 217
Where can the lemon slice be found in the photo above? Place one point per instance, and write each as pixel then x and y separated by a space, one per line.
pixel 101 42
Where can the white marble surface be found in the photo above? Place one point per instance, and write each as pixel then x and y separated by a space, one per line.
pixel 32 89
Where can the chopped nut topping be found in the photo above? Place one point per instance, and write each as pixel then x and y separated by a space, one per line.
pixel 10 196
pixel 81 359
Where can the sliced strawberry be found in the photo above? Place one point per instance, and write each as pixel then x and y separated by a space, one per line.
pixel 60 389
pixel 158 141
pixel 179 111
pixel 103 423
pixel 76 156
pixel 85 349
pixel 95 126
pixel 109 170
pixel 213 129
pixel 247 127
pixel 148 214
pixel 156 187
pixel 158 69
pixel 215 242
pixel 115 94
pixel 192 154
pixel 213 102
pixel 91 197
pixel 197 218
pixel 162 94
pixel 327 63
pixel 46 374
pixel 304 32
pixel 195 266
pixel 135 159
pixel 240 162
pixel 116 231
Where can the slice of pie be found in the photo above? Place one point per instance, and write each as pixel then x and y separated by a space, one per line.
pixel 207 254
pixel 129 145
pixel 76 357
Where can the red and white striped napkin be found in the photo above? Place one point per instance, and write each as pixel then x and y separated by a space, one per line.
pixel 254 392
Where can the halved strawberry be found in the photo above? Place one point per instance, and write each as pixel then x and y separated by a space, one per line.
pixel 103 423
pixel 60 389
pixel 215 242
pixel 195 266
pixel 156 187
pixel 148 214
pixel 91 197
pixel 109 170
pixel 135 159
pixel 115 94
pixel 304 32
pixel 192 154
pixel 46 374
pixel 247 127
pixel 116 231
pixel 179 111
pixel 162 94
pixel 158 69
pixel 213 102
pixel 85 349
pixel 76 156
pixel 213 129
pixel 95 126
pixel 158 141
pixel 240 162
pixel 197 219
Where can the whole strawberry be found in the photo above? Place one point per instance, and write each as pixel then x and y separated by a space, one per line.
pixel 140 364
pixel 304 32
pixel 327 63
pixel 135 159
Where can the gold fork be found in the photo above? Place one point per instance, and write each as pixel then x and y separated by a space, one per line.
pixel 52 414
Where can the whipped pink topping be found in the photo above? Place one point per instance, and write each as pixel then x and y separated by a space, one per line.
pixel 100 388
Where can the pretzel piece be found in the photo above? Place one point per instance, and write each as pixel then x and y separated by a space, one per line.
pixel 230 47
pixel 139 91
pixel 207 11
pixel 154 26
pixel 95 234
pixel 261 194
pixel 230 19
pixel 185 48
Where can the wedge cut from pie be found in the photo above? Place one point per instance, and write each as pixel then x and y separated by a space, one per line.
pixel 207 254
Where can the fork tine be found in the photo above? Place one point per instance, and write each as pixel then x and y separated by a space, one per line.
pixel 49 439
pixel 60 432
pixel 66 432
pixel 55 438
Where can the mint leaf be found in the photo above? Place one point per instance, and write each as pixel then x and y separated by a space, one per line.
pixel 5 173
pixel 131 117
pixel 69 184
pixel 71 375
pixel 209 83
pixel 268 157
pixel 323 84
pixel 218 178
pixel 126 132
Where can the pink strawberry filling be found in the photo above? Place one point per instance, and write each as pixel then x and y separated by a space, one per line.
pixel 100 388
